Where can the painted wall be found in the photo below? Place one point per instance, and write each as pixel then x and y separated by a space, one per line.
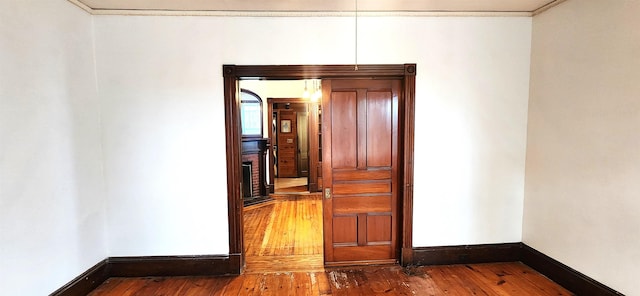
pixel 52 210
pixel 583 161
pixel 161 88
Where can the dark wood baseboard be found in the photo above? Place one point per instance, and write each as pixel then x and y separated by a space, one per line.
pixel 210 265
pixel 174 266
pixel 206 265
pixel 466 254
pixel 566 276
pixel 86 282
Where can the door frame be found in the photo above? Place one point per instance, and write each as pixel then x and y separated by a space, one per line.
pixel 233 136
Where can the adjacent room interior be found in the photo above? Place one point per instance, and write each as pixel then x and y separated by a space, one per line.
pixel 282 205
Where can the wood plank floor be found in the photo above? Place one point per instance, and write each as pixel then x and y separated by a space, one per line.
pixel 477 279
pixel 285 235
pixel 283 241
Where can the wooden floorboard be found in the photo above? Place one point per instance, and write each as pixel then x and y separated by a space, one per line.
pixel 512 278
pixel 283 241
pixel 284 235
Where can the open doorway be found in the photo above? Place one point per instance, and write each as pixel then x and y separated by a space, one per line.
pixel 296 146
pixel 290 145
pixel 283 232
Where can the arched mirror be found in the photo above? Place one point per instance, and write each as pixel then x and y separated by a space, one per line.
pixel 250 114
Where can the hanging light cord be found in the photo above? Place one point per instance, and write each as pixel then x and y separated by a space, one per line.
pixel 356 35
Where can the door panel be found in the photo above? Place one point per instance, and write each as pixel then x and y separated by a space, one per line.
pixel 362 175
pixel 360 121
pixel 343 121
pixel 364 253
pixel 379 132
pixel 348 231
pixel 361 188
pixel 379 229
pixel 357 204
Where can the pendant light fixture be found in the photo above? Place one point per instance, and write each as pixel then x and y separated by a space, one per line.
pixel 317 93
pixel 313 94
pixel 305 94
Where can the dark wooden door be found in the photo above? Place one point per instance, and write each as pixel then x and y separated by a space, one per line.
pixel 287 145
pixel 360 171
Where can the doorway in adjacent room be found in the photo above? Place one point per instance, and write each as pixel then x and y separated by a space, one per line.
pixel 290 134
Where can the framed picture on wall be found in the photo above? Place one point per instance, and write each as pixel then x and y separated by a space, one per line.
pixel 285 126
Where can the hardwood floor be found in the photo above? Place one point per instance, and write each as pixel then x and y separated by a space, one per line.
pixel 284 257
pixel 285 235
pixel 477 279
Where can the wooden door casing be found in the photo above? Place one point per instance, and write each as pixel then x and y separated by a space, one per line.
pixel 232 74
pixel 360 168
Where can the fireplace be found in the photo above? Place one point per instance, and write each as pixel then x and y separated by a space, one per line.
pixel 254 177
pixel 247 182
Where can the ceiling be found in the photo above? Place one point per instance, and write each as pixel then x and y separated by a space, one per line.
pixel 325 7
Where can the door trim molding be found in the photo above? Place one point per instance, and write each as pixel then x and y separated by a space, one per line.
pixel 407 143
pixel 233 73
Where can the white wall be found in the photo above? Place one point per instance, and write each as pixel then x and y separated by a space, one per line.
pixel 583 160
pixel 52 211
pixel 161 87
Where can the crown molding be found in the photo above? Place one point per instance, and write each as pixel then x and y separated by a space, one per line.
pixel 547 7
pixel 82 6
pixel 218 13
